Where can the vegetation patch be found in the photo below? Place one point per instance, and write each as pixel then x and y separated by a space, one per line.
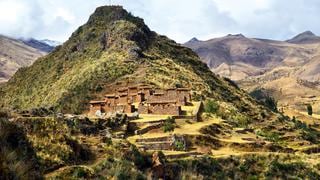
pixel 243 167
pixel 169 125
pixel 17 157
pixel 53 142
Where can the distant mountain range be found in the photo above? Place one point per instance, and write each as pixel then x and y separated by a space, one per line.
pixel 305 38
pixel 42 45
pixel 262 63
pixel 17 53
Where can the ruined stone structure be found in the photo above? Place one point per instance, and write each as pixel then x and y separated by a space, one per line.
pixel 146 99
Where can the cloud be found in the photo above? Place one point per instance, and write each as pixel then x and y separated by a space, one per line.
pixel 54 19
pixel 180 19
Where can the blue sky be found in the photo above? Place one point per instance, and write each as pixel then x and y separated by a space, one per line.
pixel 178 19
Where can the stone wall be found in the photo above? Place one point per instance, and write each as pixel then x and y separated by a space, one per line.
pixel 168 109
pixel 143 109
pixel 94 108
pixel 171 95
pixel 123 100
pixel 157 101
pixel 197 111
pixel 118 108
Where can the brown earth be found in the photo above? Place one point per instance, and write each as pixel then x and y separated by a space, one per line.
pixel 14 54
pixel 289 69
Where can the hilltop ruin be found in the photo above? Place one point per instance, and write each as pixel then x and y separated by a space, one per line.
pixel 143 99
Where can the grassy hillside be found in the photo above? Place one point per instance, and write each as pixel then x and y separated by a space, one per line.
pixel 17 157
pixel 113 47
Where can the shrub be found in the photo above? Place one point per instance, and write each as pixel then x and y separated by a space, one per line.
pixel 163 159
pixel 179 146
pixel 309 109
pixel 81 173
pixel 242 120
pixel 211 106
pixel 308 133
pixel 282 169
pixel 137 158
pixel 270 136
pixel 169 125
pixel 239 120
pixel 4 114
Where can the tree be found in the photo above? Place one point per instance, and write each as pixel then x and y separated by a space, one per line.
pixel 309 109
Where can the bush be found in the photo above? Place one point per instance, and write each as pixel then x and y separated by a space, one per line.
pixel 4 114
pixel 179 146
pixel 211 106
pixel 238 120
pixel 137 158
pixel 270 136
pixel 242 120
pixel 308 133
pixel 309 109
pixel 281 169
pixel 80 172
pixel 169 125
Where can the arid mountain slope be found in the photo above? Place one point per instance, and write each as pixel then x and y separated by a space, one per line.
pixel 238 57
pixel 15 54
pixel 290 69
pixel 305 38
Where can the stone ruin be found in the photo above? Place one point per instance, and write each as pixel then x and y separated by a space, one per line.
pixel 143 99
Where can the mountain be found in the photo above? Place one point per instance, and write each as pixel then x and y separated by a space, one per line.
pixel 51 42
pixel 14 54
pixel 306 37
pixel 38 44
pixel 290 69
pixel 234 137
pixel 192 41
pixel 113 47
pixel 238 57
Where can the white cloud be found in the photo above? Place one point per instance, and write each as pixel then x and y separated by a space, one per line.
pixel 179 19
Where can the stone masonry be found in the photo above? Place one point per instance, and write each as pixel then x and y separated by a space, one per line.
pixel 149 100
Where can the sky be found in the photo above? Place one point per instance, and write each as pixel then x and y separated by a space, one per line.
pixel 180 20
